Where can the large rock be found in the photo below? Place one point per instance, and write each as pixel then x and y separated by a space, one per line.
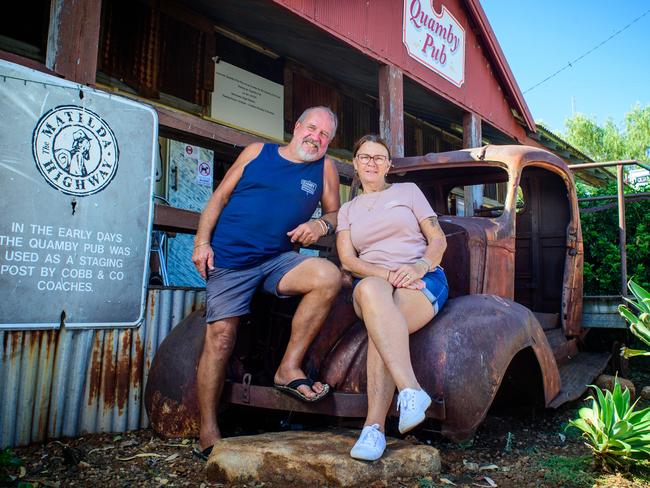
pixel 645 393
pixel 316 459
pixel 607 382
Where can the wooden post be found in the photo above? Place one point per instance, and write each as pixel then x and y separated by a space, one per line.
pixel 472 136
pixel 621 227
pixel 391 108
pixel 73 39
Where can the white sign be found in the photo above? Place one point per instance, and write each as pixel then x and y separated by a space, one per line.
pixel 204 173
pixel 76 181
pixel 437 40
pixel 191 152
pixel 638 176
pixel 248 101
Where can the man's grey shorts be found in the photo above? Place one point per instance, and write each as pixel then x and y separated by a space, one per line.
pixel 230 291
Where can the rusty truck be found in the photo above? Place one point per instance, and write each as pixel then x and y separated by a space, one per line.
pixel 511 330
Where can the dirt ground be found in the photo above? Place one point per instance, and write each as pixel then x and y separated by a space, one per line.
pixel 529 448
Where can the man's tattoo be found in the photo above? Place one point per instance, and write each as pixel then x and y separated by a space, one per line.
pixel 433 220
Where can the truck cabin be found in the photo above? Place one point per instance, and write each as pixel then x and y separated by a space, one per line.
pixel 520 240
pixel 520 258
pixel 521 243
pixel 542 219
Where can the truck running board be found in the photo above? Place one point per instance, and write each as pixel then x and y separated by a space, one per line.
pixel 577 373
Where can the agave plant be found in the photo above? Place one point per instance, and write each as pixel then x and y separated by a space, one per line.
pixel 616 433
pixel 639 324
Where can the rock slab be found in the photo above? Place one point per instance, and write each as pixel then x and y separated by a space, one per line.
pixel 316 459
pixel 606 382
pixel 645 393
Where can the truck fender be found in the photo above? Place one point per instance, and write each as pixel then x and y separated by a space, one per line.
pixel 465 353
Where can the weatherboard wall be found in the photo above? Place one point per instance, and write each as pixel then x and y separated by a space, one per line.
pixel 375 28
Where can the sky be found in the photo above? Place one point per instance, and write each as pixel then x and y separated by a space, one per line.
pixel 539 38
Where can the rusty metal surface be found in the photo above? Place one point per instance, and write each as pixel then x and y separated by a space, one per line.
pixel 564 349
pixel 577 374
pixel 515 160
pixel 460 359
pixel 66 382
pixel 170 393
pixel 495 330
pixel 478 261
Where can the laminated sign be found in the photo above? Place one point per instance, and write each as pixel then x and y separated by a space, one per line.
pixel 76 181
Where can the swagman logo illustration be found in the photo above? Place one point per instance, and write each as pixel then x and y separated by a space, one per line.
pixel 75 150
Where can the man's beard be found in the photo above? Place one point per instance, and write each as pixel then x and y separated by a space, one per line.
pixel 307 156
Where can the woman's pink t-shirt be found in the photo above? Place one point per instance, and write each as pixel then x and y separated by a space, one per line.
pixel 385 226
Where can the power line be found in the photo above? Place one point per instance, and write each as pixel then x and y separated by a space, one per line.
pixel 571 63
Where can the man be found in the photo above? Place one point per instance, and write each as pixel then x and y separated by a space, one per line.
pixel 244 239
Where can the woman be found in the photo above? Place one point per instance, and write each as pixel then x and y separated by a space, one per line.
pixel 390 240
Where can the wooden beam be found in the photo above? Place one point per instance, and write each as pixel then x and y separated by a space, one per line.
pixel 184 123
pixel 172 219
pixel 73 39
pixel 391 108
pixel 191 124
pixel 27 62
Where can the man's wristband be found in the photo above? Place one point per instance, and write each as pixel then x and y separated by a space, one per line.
pixel 329 227
pixel 323 227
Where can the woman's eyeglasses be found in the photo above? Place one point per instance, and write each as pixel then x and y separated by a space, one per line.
pixel 377 158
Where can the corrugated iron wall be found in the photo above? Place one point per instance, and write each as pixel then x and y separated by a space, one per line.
pixel 66 382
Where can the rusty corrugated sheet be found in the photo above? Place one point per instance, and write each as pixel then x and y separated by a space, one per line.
pixel 67 382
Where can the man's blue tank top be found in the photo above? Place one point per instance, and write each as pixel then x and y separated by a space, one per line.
pixel 272 197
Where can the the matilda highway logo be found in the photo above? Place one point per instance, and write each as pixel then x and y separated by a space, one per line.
pixel 75 150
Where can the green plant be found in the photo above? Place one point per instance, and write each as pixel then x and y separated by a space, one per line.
pixel 616 433
pixel 600 234
pixel 425 482
pixel 7 460
pixel 567 471
pixel 639 324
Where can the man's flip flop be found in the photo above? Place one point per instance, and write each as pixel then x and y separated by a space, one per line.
pixel 202 454
pixel 291 388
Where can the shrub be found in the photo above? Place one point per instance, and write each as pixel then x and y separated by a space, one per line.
pixel 639 324
pixel 602 269
pixel 616 433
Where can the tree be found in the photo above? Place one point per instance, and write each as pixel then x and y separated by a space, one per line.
pixel 600 229
pixel 608 142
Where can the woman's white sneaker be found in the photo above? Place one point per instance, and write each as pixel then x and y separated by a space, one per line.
pixel 370 445
pixel 412 405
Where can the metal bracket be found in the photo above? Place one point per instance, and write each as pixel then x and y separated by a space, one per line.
pixel 174 172
pixel 572 244
pixel 246 388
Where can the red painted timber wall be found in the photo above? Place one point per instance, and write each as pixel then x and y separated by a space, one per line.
pixel 375 28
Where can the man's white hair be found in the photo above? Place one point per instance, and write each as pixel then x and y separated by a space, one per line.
pixel 328 111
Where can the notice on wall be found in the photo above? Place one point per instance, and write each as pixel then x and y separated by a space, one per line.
pixel 76 180
pixel 204 173
pixel 248 101
pixel 435 39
